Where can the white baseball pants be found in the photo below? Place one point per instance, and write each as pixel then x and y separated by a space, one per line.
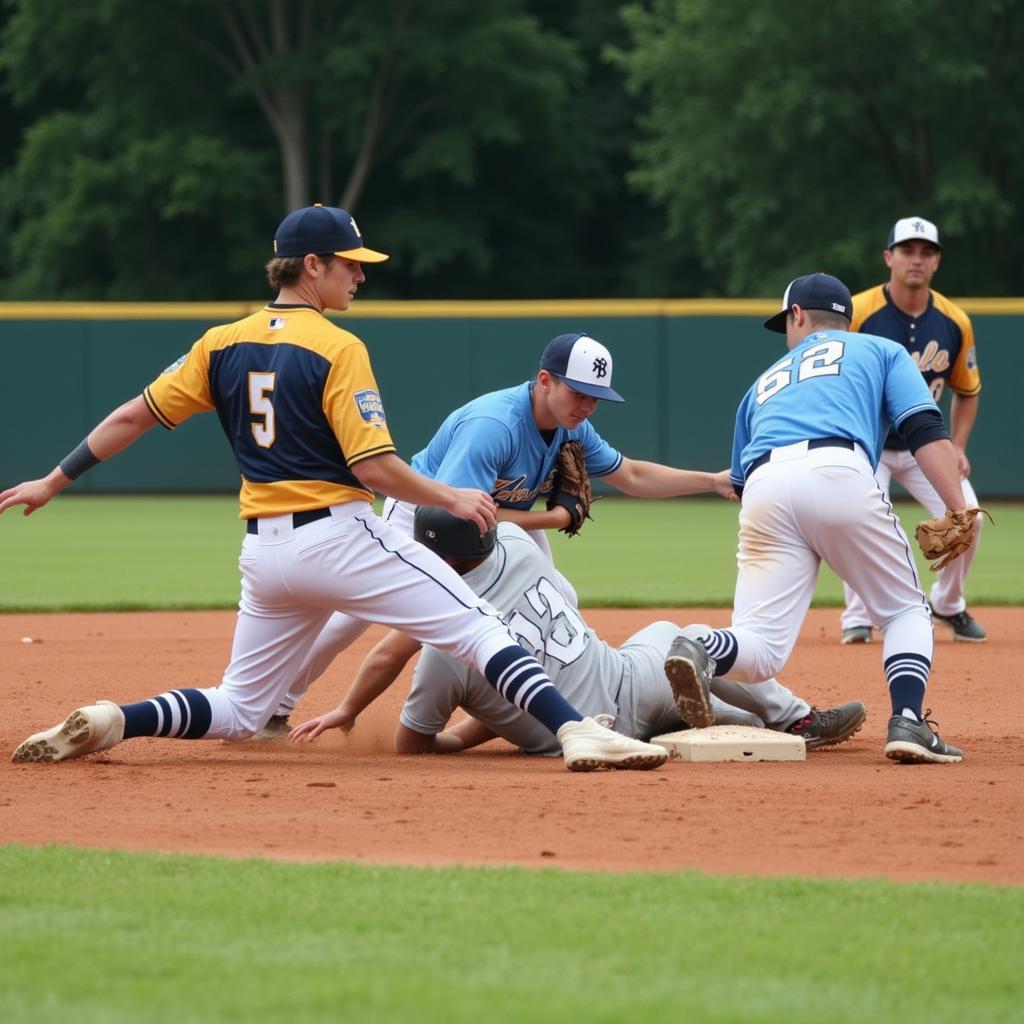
pixel 799 508
pixel 295 579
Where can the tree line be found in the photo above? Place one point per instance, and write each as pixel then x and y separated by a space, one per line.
pixel 508 148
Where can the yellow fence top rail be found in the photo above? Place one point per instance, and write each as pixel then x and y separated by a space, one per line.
pixel 226 311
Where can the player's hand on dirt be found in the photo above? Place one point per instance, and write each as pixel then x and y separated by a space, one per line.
pixel 32 494
pixel 723 486
pixel 335 719
pixel 962 463
pixel 473 504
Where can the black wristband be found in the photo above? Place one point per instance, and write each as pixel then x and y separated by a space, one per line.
pixel 77 462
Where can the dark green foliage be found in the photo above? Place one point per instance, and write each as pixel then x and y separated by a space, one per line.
pixel 784 139
pixel 513 149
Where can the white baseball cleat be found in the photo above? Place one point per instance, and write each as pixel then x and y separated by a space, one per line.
pixel 588 745
pixel 84 731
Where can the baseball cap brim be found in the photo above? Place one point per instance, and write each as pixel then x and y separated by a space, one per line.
pixel 777 322
pixel 364 255
pixel 591 390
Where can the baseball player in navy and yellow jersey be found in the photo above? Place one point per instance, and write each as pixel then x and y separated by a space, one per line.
pixel 938 335
pixel 628 683
pixel 808 436
pixel 289 461
pixel 299 405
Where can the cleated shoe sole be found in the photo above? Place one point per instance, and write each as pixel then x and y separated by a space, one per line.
pixel 85 731
pixel 688 670
pixel 906 752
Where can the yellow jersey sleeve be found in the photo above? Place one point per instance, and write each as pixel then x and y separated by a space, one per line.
pixel 965 377
pixel 183 389
pixel 866 304
pixel 353 406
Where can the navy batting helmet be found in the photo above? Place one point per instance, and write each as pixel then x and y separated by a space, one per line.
pixel 450 537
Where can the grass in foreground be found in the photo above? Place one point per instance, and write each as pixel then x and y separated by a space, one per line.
pixel 94 936
pixel 103 553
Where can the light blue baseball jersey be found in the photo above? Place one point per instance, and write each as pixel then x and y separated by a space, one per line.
pixel 833 384
pixel 493 443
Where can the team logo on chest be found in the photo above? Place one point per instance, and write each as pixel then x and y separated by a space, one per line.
pixel 370 407
pixel 510 490
pixel 932 359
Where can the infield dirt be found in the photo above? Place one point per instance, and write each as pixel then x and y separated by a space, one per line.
pixel 846 812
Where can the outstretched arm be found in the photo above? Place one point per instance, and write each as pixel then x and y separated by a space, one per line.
pixel 653 480
pixel 388 474
pixel 408 741
pixel 541 519
pixel 122 427
pixel 471 733
pixel 382 667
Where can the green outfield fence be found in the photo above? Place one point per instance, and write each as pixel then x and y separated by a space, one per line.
pixel 682 365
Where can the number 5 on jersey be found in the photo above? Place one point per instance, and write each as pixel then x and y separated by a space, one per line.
pixel 819 361
pixel 262 409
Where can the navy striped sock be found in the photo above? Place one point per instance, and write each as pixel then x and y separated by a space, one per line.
pixel 721 645
pixel 908 676
pixel 519 678
pixel 181 714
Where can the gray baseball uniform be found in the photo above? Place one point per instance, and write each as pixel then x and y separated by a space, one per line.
pixel 540 610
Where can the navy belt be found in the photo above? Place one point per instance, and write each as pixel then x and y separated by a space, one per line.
pixel 818 442
pixel 298 519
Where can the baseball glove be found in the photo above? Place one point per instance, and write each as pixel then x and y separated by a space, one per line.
pixel 570 486
pixel 949 537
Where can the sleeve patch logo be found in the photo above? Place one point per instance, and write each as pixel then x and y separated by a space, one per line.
pixel 370 407
pixel 180 361
pixel 972 359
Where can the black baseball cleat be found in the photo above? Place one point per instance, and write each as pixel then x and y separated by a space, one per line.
pixel 829 727
pixel 911 742
pixel 964 626
pixel 689 669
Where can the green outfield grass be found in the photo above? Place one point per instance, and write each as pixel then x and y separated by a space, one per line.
pixel 92 553
pixel 94 936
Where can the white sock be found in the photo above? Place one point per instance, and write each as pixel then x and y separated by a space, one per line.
pixel 907 713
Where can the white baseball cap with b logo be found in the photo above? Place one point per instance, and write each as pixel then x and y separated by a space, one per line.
pixel 583 363
pixel 910 229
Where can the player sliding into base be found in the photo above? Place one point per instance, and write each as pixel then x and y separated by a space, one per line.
pixel 510 443
pixel 807 439
pixel 625 688
pixel 300 406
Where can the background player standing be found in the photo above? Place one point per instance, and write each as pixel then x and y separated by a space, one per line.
pixel 627 684
pixel 299 404
pixel 938 335
pixel 808 436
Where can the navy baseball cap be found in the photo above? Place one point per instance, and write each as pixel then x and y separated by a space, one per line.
pixel 910 229
pixel 323 229
pixel 815 291
pixel 583 363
